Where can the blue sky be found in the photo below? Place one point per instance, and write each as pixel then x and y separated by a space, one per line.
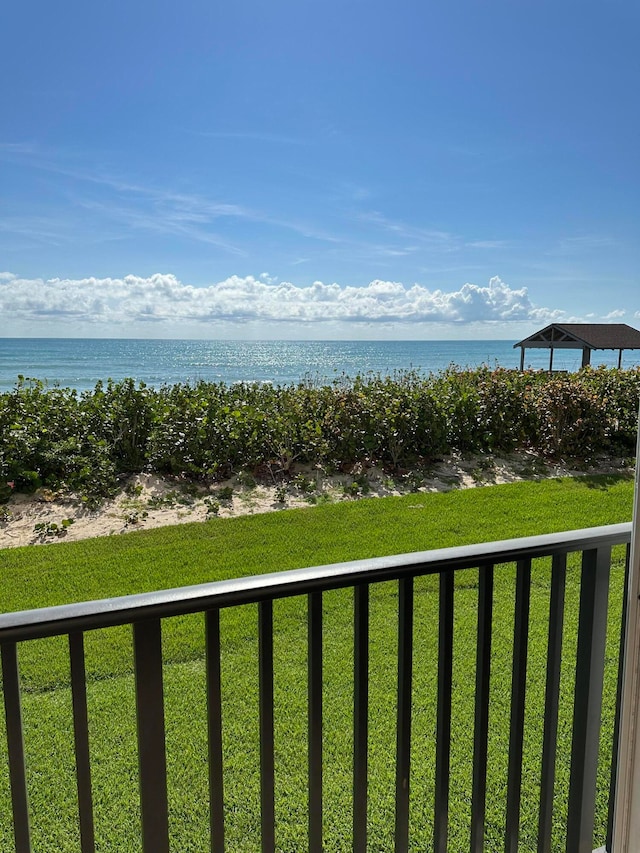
pixel 336 169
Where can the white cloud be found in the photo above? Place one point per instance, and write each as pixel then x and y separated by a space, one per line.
pixel 163 300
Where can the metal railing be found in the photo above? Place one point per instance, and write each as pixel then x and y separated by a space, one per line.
pixel 145 613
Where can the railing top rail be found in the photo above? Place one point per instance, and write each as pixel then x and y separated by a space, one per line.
pixel 83 616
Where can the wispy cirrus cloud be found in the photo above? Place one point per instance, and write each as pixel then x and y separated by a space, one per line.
pixel 252 136
pixel 153 208
pixel 431 238
pixel 174 222
pixel 443 240
pixel 488 244
pixel 582 243
pixel 95 199
pixel 38 229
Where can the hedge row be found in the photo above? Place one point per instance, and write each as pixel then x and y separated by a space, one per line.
pixel 59 438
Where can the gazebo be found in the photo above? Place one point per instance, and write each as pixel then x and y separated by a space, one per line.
pixel 584 336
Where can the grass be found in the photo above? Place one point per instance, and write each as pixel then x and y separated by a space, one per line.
pixel 224 547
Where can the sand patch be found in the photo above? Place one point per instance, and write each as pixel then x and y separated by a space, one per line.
pixel 146 500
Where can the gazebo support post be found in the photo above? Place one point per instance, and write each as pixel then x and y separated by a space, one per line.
pixel 550 359
pixel 521 359
pixel 620 360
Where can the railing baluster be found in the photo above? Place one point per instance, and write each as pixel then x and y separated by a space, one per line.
pixel 360 716
pixel 214 724
pixel 147 644
pixel 552 700
pixel 443 725
pixel 81 737
pixel 144 614
pixel 265 666
pixel 592 626
pixel 15 745
pixel 315 721
pixel 616 725
pixel 518 691
pixel 481 723
pixel 403 748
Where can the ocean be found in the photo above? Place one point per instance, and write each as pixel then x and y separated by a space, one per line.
pixel 80 363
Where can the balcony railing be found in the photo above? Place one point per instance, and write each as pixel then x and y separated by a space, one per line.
pixel 146 614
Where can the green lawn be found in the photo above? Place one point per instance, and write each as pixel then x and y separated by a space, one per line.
pixel 220 548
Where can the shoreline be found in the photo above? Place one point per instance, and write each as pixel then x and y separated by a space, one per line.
pixel 147 501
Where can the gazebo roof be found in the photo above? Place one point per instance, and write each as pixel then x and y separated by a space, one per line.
pixel 584 336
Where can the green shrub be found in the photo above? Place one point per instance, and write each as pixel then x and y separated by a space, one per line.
pixel 573 420
pixel 52 437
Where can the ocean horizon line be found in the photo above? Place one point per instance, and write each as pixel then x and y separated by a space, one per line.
pixel 82 362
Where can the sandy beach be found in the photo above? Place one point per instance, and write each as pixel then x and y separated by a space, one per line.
pixel 146 500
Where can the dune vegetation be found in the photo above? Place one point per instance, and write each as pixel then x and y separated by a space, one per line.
pixel 58 438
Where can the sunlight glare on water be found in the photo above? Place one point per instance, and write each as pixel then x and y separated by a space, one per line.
pixel 80 363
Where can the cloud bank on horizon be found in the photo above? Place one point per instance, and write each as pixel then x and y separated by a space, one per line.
pixel 170 306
